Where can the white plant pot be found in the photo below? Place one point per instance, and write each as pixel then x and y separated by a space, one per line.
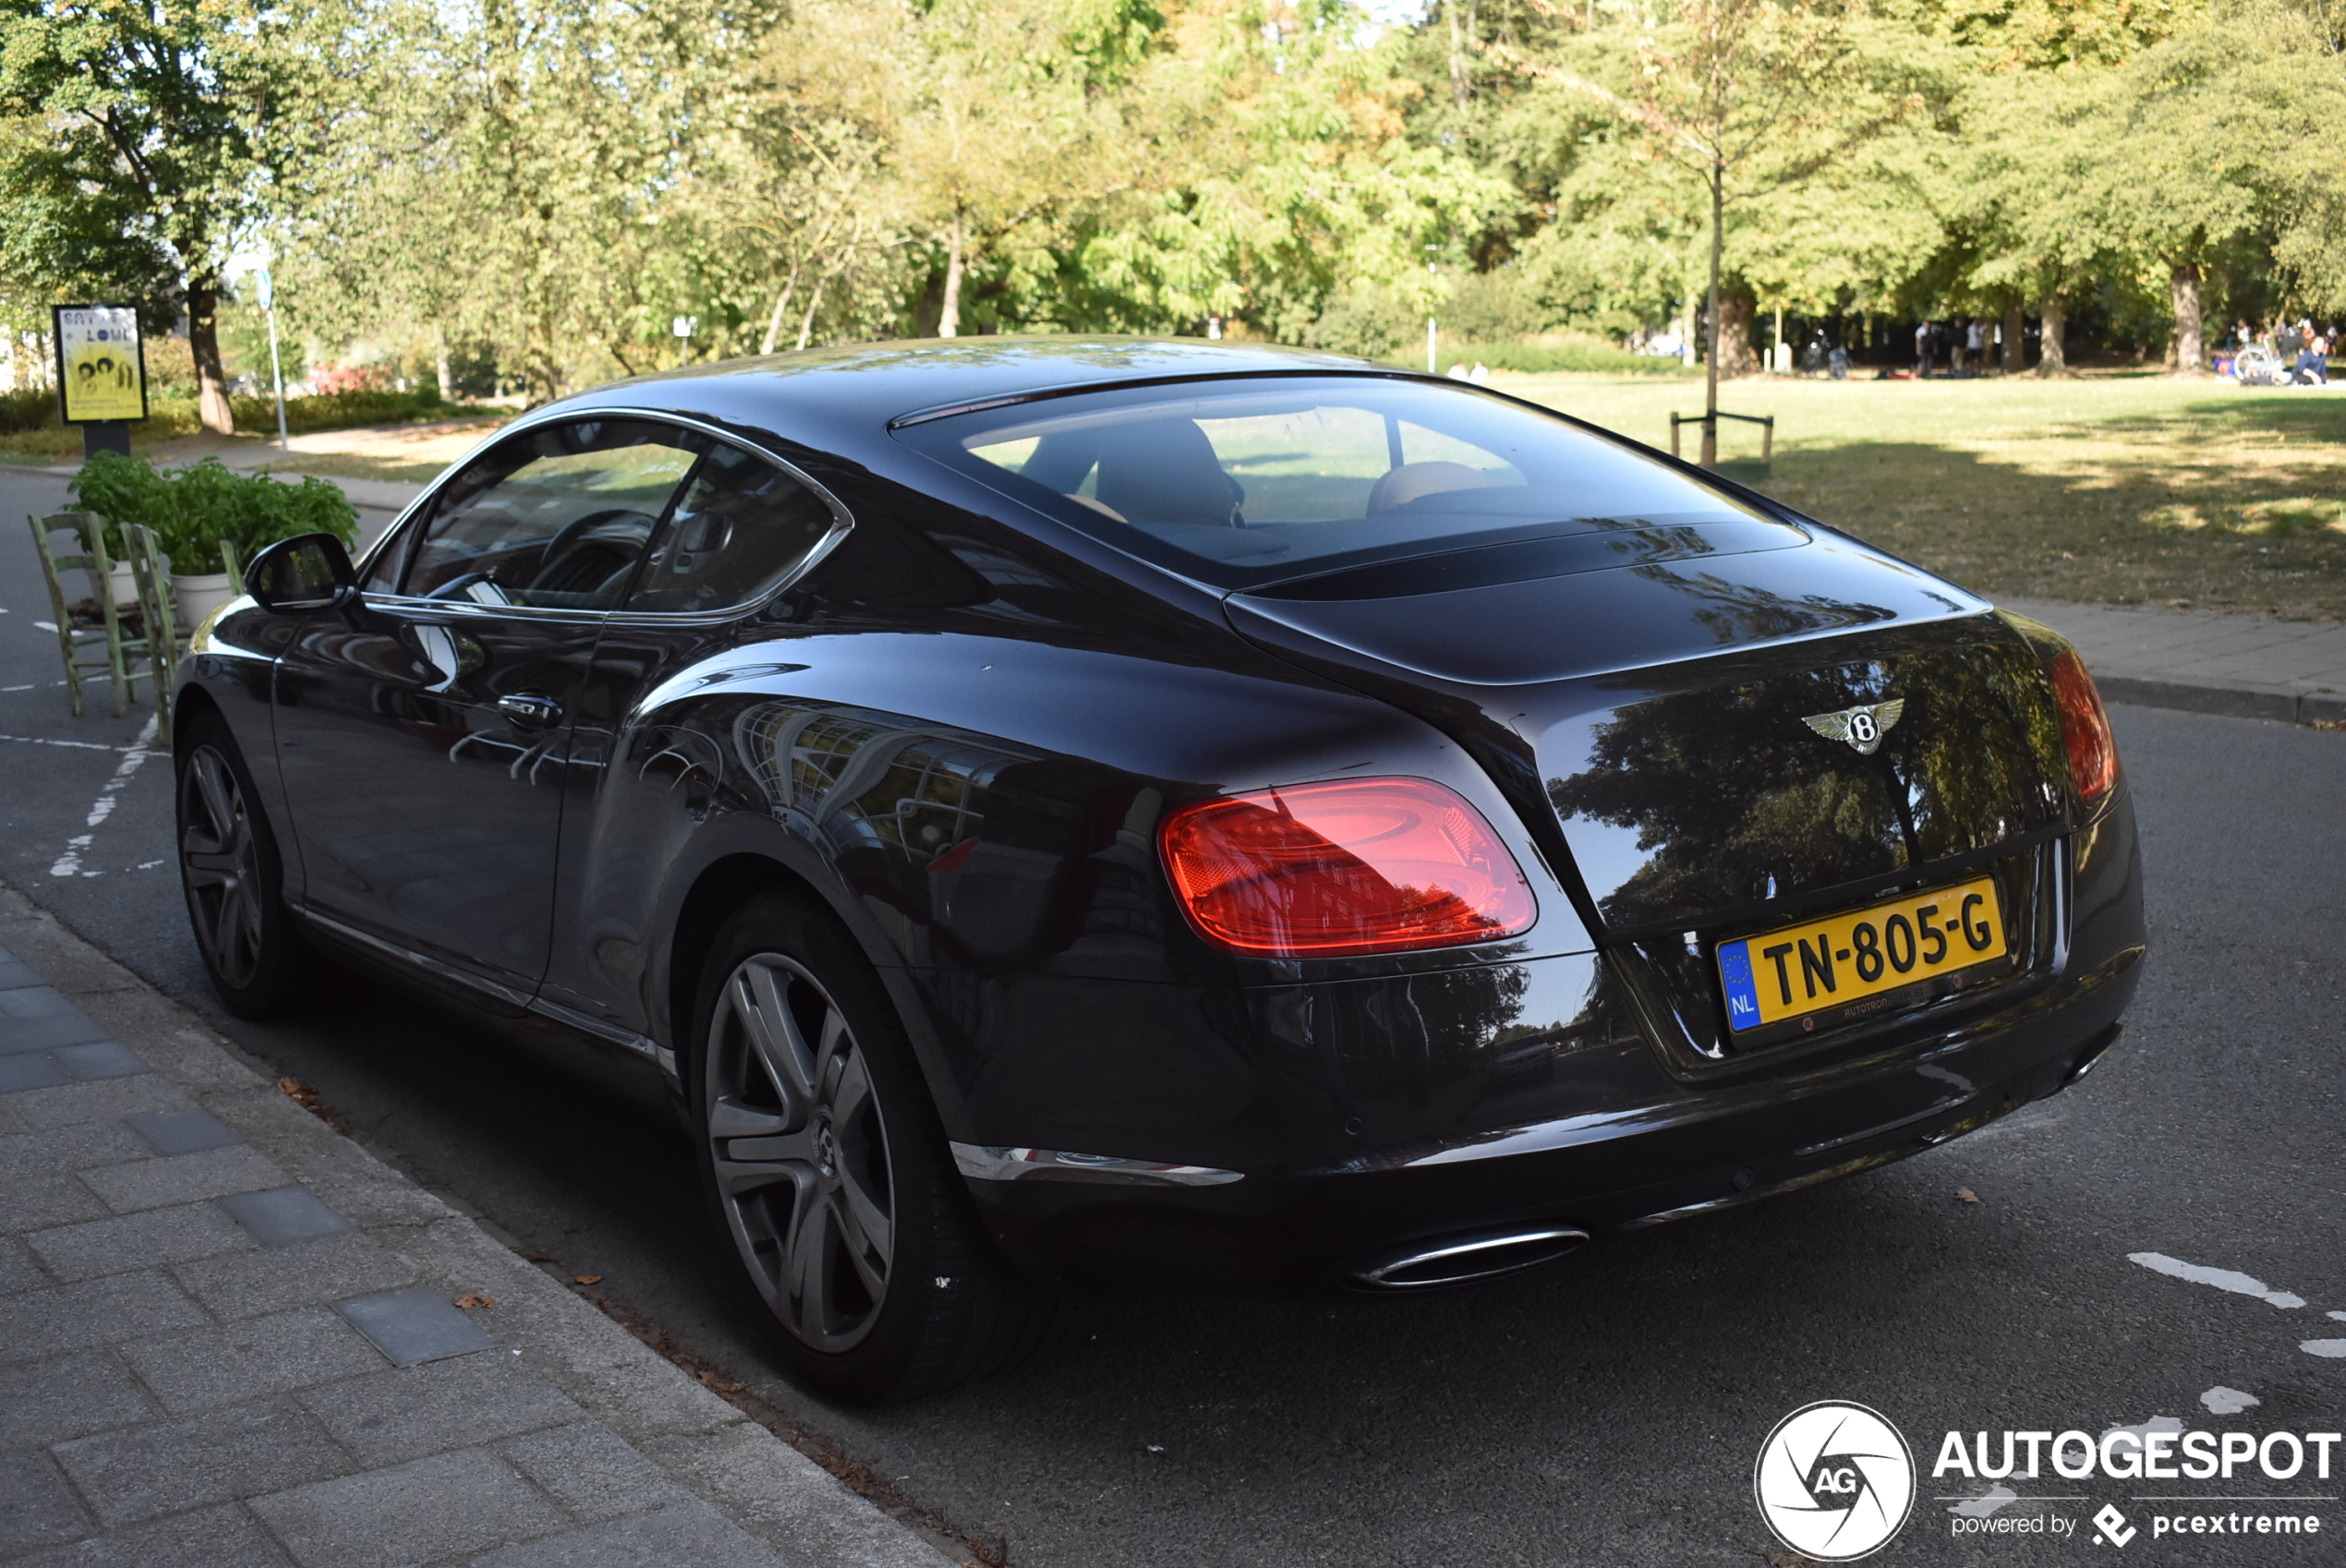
pixel 198 596
pixel 125 587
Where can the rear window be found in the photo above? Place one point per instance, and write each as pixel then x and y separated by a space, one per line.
pixel 1247 482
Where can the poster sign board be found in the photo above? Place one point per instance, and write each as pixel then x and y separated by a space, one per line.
pixel 102 364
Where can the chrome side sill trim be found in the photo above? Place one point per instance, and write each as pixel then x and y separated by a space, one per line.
pixel 487 987
pixel 627 1039
pixel 1002 1163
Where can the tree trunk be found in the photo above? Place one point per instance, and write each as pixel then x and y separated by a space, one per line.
pixel 1739 313
pixel 1710 373
pixel 1461 41
pixel 2015 339
pixel 774 322
pixel 2052 359
pixel 2191 350
pixel 447 383
pixel 950 323
pixel 203 345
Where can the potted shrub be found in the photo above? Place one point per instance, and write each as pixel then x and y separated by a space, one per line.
pixel 196 510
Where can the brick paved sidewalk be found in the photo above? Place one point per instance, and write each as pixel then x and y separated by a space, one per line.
pixel 2249 665
pixel 228 1335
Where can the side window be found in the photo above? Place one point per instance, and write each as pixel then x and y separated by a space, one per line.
pixel 741 525
pixel 555 518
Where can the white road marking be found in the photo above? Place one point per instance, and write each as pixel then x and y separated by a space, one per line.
pixel 46 625
pixel 2222 1279
pixel 2222 1401
pixel 26 687
pixel 2156 1424
pixel 2333 1348
pixel 70 862
pixel 45 741
pixel 1987 1502
pixel 149 865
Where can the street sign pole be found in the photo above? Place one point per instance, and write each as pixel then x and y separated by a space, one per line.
pixel 276 371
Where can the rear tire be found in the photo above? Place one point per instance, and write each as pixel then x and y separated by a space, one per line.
pixel 830 1169
pixel 234 879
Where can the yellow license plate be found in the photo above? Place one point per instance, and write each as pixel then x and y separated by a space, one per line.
pixel 1904 941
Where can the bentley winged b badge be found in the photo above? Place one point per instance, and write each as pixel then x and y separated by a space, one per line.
pixel 1863 726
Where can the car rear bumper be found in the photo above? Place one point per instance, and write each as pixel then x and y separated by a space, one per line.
pixel 1620 1169
pixel 1373 1116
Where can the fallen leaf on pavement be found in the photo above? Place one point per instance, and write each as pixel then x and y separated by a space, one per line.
pixel 1967 1194
pixel 306 1097
pixel 470 1301
pixel 588 1279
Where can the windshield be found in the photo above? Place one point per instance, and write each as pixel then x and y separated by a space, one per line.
pixel 1247 482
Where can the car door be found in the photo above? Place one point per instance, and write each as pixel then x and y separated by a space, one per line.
pixel 422 738
pixel 746 526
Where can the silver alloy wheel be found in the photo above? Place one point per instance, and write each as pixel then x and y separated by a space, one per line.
pixel 220 861
pixel 800 1153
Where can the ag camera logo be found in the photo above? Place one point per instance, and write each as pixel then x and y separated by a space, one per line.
pixel 1834 1481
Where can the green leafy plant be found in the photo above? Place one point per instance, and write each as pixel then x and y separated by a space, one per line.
pixel 27 408
pixel 194 510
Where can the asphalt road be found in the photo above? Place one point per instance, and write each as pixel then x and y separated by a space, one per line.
pixel 1607 1410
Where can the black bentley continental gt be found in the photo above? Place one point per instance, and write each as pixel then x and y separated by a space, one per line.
pixel 1059 810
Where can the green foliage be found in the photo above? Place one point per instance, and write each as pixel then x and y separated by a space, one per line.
pixel 342 411
pixel 1367 321
pixel 541 187
pixel 27 409
pixel 194 510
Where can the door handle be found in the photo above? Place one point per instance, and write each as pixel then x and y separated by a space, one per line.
pixel 529 707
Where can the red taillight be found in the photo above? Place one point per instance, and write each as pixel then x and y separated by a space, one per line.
pixel 2093 752
pixel 1361 865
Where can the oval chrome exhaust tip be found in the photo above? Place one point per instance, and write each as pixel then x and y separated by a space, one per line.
pixel 1458 1259
pixel 2090 1058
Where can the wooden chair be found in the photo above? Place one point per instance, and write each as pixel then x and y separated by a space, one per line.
pixel 163 643
pixel 92 637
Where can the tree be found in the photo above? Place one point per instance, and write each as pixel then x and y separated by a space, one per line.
pixel 1273 174
pixel 2188 153
pixel 1746 97
pixel 997 124
pixel 525 174
pixel 130 161
pixel 2030 189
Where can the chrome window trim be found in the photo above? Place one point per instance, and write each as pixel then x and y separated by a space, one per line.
pixel 842 524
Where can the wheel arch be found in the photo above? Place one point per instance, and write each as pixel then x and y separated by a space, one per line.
pixel 723 885
pixel 192 702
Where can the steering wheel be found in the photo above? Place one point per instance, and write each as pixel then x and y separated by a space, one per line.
pixel 574 538
pixel 463 588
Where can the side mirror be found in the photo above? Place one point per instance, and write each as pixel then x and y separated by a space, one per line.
pixel 296 576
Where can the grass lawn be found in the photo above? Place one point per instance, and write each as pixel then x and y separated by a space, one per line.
pixel 358 465
pixel 2121 488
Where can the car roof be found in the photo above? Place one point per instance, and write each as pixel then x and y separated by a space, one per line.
pixel 856 390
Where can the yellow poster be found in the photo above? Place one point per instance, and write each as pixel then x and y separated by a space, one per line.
pixel 99 373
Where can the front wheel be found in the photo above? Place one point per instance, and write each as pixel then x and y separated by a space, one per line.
pixel 230 871
pixel 827 1161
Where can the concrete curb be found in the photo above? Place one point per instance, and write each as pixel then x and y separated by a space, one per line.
pixel 2238 702
pixel 781 1499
